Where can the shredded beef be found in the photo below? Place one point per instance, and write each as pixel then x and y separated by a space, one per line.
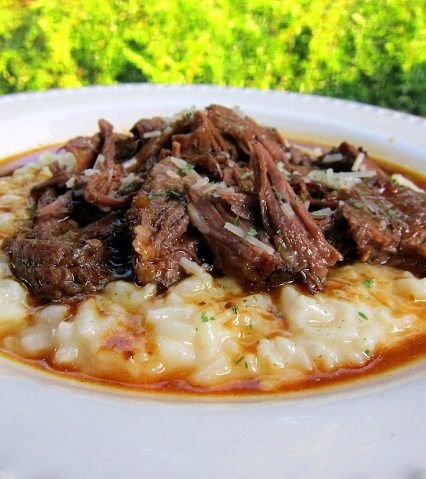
pixel 216 188
pixel 56 268
pixel 160 239
pixel 57 258
pixel 85 150
pixel 148 125
pixel 305 252
pixel 158 221
pixel 387 223
pixel 232 254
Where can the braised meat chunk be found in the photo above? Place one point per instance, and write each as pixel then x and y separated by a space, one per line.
pixel 234 253
pixel 55 268
pixel 161 239
pixel 387 221
pixel 306 254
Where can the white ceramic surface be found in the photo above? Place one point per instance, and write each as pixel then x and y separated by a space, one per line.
pixel 52 428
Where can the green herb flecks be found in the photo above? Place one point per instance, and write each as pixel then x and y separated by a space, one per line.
pixel 362 316
pixel 390 212
pixel 237 221
pixel 184 170
pixel 250 233
pixel 205 318
pixel 175 195
pixel 368 353
pixel 368 283
pixel 235 308
pixel 246 175
pixel 239 360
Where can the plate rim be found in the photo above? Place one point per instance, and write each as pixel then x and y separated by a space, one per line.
pixel 289 412
pixel 351 388
pixel 201 87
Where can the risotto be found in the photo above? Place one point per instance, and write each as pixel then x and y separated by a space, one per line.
pixel 205 331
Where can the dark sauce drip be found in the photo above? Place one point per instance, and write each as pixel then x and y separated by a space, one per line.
pixel 120 257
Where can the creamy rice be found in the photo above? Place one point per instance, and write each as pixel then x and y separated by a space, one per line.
pixel 204 331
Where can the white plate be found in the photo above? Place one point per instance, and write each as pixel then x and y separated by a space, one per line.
pixel 51 428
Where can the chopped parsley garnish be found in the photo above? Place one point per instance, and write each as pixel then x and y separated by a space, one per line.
pixel 368 353
pixel 237 221
pixel 246 175
pixel 368 283
pixel 250 233
pixel 205 318
pixel 175 195
pixel 239 360
pixel 390 213
pixel 386 208
pixel 362 316
pixel 246 364
pixel 235 308
pixel 184 170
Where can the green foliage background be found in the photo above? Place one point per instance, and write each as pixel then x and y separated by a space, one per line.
pixel 371 51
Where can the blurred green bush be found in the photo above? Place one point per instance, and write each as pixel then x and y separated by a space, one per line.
pixel 370 51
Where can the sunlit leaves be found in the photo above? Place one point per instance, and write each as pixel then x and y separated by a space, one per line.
pixel 348 48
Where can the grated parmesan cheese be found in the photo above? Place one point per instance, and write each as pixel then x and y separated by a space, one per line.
pixel 358 160
pixel 313 152
pixel 401 180
pixel 172 174
pixel 151 134
pixel 332 158
pixel 323 212
pixel 253 241
pixel 340 180
pixel 191 266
